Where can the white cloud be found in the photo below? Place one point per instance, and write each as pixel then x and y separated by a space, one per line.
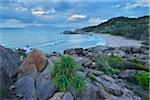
pixel 137 3
pixel 21 9
pixel 67 0
pixel 11 23
pixel 95 21
pixel 74 17
pixel 117 6
pixel 51 11
pixel 40 12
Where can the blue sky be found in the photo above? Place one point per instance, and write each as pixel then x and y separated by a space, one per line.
pixel 20 13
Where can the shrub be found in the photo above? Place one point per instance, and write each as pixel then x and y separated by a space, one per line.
pixel 64 74
pixel 115 61
pixel 114 70
pixel 143 78
pixel 109 64
pixel 4 92
pixel 102 64
pixel 137 61
pixel 22 53
pixel 79 83
pixel 132 65
pixel 91 77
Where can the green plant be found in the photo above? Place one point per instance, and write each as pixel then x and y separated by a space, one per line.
pixel 115 61
pixel 22 53
pixel 91 77
pixel 102 64
pixel 137 61
pixel 64 74
pixel 114 70
pixel 132 65
pixel 79 84
pixel 109 64
pixel 143 78
pixel 4 92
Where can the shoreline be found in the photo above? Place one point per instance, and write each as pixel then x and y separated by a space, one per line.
pixel 119 41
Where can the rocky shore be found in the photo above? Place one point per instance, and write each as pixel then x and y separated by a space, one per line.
pixel 32 79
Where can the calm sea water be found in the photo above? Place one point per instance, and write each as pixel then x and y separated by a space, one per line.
pixel 47 39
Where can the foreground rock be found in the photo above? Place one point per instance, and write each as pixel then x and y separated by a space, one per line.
pixel 44 84
pixel 9 62
pixel 90 93
pixel 25 88
pixel 127 74
pixel 34 78
pixel 34 63
pixel 110 85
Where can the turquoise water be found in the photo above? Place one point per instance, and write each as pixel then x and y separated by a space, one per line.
pixel 47 39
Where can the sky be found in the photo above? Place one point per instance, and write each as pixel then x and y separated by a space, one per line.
pixel 67 13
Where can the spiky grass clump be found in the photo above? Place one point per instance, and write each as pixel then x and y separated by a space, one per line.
pixel 143 78
pixel 109 64
pixel 64 74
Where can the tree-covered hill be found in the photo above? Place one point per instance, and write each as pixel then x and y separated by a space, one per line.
pixel 136 28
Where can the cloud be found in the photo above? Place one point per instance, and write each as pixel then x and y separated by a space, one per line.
pixel 37 11
pixel 117 6
pixel 137 3
pixel 51 11
pixel 66 0
pixel 11 23
pixel 74 17
pixel 69 11
pixel 40 12
pixel 96 20
pixel 21 9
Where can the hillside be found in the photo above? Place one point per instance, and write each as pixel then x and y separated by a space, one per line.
pixel 136 28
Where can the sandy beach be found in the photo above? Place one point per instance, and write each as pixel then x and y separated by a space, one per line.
pixel 118 41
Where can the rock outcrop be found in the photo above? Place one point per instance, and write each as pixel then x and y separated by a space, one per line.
pixel 34 63
pixel 32 80
pixel 9 62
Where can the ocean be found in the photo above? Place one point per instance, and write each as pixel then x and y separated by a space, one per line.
pixel 48 39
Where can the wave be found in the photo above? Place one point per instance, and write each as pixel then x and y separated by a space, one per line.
pixel 53 43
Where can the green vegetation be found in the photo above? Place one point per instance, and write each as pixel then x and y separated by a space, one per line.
pixel 109 64
pixel 115 61
pixel 137 61
pixel 64 75
pixel 22 53
pixel 143 78
pixel 79 84
pixel 4 92
pixel 91 77
pixel 136 28
pixel 135 65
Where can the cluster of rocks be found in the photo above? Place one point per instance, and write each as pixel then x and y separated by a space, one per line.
pixel 32 79
pixel 74 32
pixel 128 53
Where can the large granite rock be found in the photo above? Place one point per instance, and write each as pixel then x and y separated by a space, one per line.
pixel 25 88
pixel 127 74
pixel 68 96
pixel 110 85
pixel 35 62
pixel 9 62
pixel 45 87
pixel 57 96
pixel 114 90
pixel 91 92
pixel 40 87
